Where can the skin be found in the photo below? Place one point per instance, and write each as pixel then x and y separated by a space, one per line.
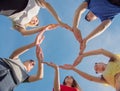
pixel 35 22
pixel 100 67
pixel 68 80
pixel 97 31
pixel 39 55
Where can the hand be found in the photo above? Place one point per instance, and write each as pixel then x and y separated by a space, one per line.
pixel 77 34
pixel 51 26
pixel 82 46
pixel 39 53
pixel 78 60
pixel 51 64
pixel 39 38
pixel 67 66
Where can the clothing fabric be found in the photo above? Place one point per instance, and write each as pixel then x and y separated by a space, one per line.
pixel 25 16
pixel 9 7
pixel 8 78
pixel 18 69
pixel 113 67
pixel 66 88
pixel 103 9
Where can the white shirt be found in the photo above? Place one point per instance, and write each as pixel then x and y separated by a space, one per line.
pixel 25 16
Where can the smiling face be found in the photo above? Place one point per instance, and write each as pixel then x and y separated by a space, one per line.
pixel 99 67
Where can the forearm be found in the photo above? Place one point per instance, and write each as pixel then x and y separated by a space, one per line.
pixel 85 54
pixel 32 31
pixel 40 72
pixel 89 77
pixel 77 60
pixel 84 75
pixel 57 80
pixel 21 50
pixel 52 11
pixel 78 14
pixel 93 52
pixel 100 29
pixel 98 52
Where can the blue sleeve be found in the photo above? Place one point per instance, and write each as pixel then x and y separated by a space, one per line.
pixel 87 1
pixel 106 18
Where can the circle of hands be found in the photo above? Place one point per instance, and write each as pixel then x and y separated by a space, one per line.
pixel 77 34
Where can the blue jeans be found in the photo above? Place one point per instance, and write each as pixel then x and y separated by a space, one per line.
pixel 6 80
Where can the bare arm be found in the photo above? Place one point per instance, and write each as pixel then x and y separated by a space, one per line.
pixel 94 52
pixel 39 74
pixel 35 30
pixel 51 10
pixel 78 14
pixel 56 78
pixel 89 77
pixel 21 50
pixel 25 48
pixel 76 20
pixel 83 74
pixel 105 24
pixel 97 31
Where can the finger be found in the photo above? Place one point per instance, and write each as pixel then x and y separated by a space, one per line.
pixel 46 63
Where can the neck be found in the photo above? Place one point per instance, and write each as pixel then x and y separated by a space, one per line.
pixel 104 66
pixel 25 68
pixel 68 84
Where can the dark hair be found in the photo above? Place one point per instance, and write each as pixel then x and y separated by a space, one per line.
pixel 30 60
pixel 96 72
pixel 115 2
pixel 74 84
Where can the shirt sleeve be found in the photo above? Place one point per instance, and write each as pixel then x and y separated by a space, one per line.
pixel 19 25
pixel 26 80
pixel 87 1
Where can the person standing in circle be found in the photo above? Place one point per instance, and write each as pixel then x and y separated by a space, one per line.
pixel 24 13
pixel 69 83
pixel 105 10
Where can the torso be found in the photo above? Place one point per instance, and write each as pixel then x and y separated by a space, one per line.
pixel 103 9
pixel 25 16
pixel 112 70
pixel 66 88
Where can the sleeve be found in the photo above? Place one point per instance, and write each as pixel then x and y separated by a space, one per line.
pixel 87 1
pixel 26 80
pixel 19 25
pixel 39 4
pixel 106 18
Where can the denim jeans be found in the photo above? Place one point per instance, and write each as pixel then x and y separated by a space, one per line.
pixel 6 80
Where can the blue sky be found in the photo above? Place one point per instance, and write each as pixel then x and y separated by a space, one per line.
pixel 61 47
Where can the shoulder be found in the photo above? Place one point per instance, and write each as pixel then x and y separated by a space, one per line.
pixel 86 0
pixel 16 25
pixel 40 3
